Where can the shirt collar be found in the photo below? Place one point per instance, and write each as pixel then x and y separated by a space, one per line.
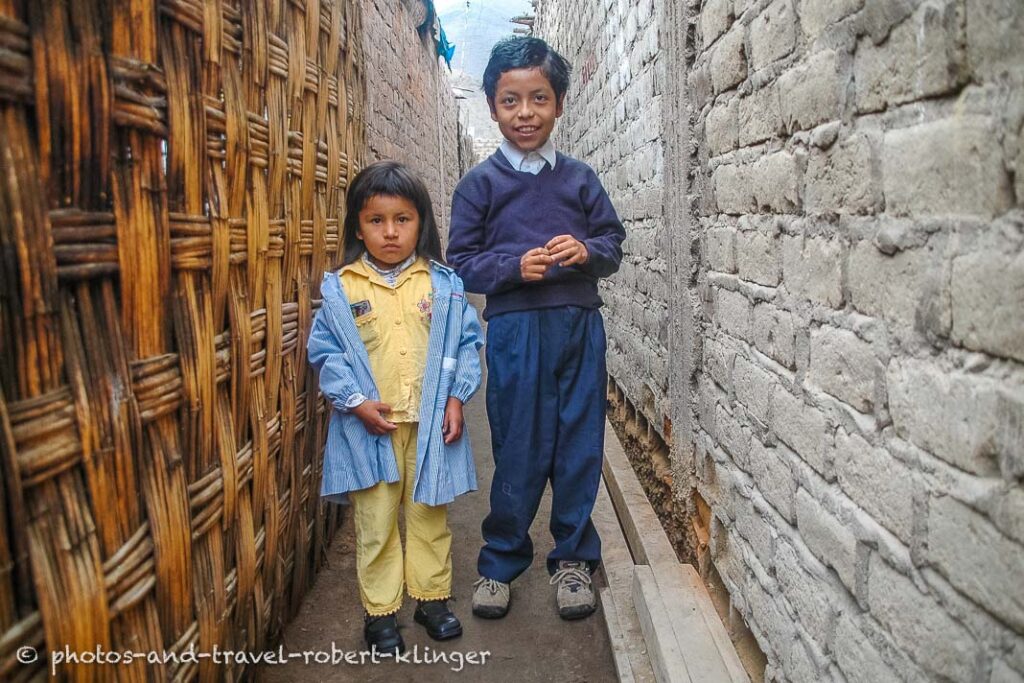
pixel 390 276
pixel 393 271
pixel 516 157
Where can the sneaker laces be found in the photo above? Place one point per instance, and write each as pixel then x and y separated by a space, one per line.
pixel 573 574
pixel 492 586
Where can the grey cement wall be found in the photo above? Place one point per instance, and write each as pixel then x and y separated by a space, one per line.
pixel 613 121
pixel 412 115
pixel 843 210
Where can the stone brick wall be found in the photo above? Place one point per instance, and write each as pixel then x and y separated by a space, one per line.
pixel 484 147
pixel 843 211
pixel 612 121
pixel 861 387
pixel 412 114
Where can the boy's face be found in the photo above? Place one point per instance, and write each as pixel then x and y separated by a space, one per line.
pixel 525 108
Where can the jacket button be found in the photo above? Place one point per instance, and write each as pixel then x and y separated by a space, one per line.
pixel 398 321
pixel 402 352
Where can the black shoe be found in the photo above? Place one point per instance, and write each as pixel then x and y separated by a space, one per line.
pixel 440 622
pixel 381 634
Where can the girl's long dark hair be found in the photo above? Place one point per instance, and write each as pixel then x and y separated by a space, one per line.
pixel 393 179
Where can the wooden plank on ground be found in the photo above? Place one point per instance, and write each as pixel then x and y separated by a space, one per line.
pixel 640 524
pixel 623 667
pixel 616 559
pixel 703 640
pixel 666 657
pixel 617 568
pixel 702 650
pixel 714 623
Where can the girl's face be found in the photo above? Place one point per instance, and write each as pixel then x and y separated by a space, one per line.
pixel 389 227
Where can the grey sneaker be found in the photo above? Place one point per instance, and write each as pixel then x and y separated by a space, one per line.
pixel 575 595
pixel 491 598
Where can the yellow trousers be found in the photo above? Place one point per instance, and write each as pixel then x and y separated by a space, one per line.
pixel 383 573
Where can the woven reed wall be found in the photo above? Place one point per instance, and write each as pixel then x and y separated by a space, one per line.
pixel 171 180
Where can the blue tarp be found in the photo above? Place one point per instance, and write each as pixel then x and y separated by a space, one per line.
pixel 444 48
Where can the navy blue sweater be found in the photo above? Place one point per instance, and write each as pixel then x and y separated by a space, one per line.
pixel 499 213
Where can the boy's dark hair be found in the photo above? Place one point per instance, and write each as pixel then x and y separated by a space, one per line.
pixel 526 52
pixel 393 179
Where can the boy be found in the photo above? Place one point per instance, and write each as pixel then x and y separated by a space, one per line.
pixel 534 229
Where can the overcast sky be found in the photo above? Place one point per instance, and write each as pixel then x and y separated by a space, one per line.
pixel 445 5
pixel 474 30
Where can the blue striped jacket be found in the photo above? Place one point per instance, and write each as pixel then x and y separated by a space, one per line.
pixel 354 459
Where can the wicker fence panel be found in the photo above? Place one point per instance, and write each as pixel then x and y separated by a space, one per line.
pixel 172 174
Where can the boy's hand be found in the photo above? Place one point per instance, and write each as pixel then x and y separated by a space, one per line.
pixel 535 263
pixel 371 413
pixel 566 250
pixel 451 428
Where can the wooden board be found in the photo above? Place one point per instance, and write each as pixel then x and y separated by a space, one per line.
pixel 718 631
pixel 640 524
pixel 709 653
pixel 617 568
pixel 662 646
pixel 701 637
pixel 623 667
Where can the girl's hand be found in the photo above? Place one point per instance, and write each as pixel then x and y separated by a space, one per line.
pixel 371 413
pixel 566 250
pixel 451 428
pixel 534 264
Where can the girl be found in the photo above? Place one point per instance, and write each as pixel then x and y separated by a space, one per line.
pixel 397 347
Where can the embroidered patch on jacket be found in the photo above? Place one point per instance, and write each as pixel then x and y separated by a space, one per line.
pixel 360 308
pixel 425 307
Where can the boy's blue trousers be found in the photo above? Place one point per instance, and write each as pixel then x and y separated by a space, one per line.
pixel 546 407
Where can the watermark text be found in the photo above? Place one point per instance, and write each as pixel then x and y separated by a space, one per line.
pixel 456 661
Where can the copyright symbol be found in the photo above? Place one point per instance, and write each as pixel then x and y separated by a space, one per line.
pixel 27 655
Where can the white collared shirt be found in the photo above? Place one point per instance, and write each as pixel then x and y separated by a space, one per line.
pixel 530 162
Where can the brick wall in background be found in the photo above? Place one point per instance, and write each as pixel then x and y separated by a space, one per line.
pixel 852 182
pixel 416 116
pixel 612 121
